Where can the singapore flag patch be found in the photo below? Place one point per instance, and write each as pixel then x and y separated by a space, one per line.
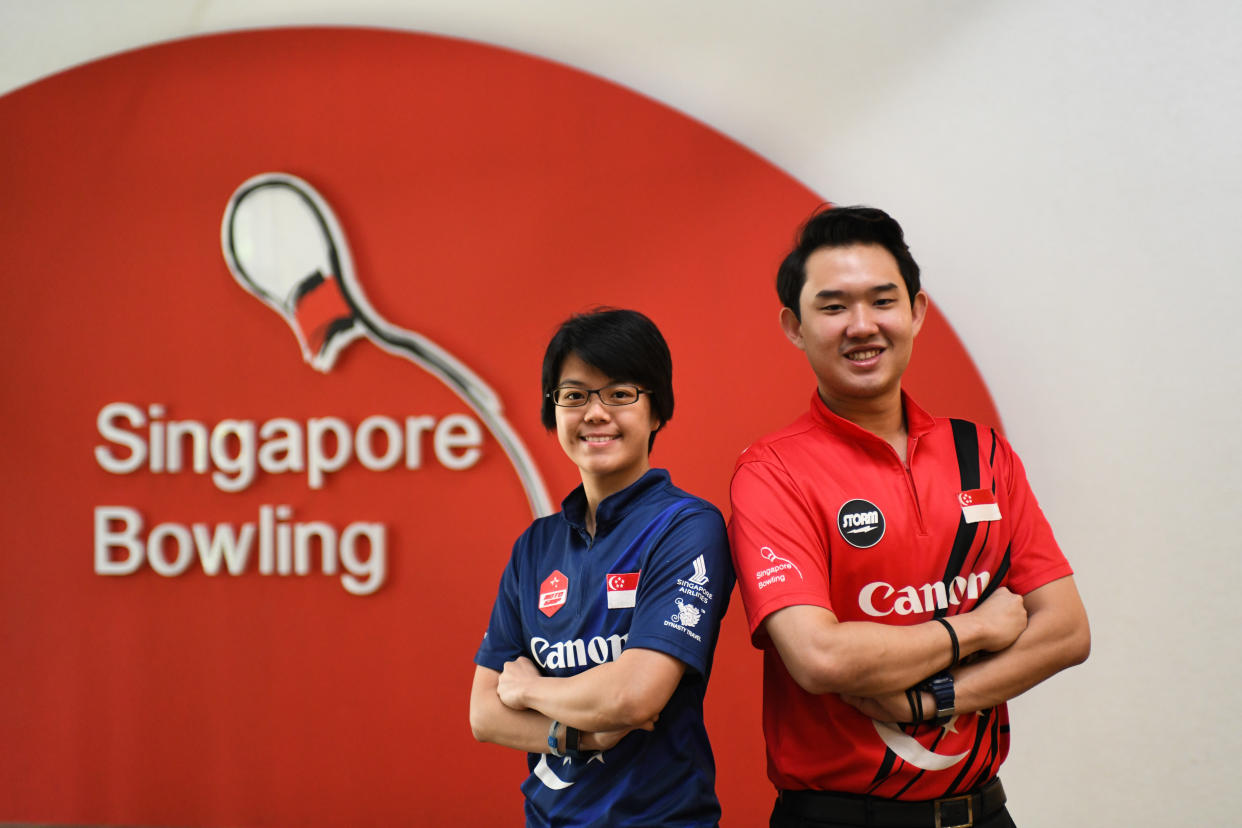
pixel 622 588
pixel 552 593
pixel 978 504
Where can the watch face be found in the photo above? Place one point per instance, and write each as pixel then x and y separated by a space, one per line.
pixel 941 688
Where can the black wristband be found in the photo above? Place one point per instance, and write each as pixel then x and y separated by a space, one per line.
pixel 573 737
pixel 957 650
pixel 910 694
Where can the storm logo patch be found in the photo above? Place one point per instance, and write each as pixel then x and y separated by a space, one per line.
pixel 861 523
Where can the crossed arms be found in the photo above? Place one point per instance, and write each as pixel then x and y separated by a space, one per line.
pixel 1022 640
pixel 516 706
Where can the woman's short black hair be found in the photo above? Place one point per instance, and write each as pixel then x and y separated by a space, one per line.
pixel 625 345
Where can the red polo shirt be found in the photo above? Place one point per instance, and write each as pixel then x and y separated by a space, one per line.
pixel 826 514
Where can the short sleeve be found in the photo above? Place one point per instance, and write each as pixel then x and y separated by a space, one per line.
pixel 1035 557
pixel 777 552
pixel 502 642
pixel 684 589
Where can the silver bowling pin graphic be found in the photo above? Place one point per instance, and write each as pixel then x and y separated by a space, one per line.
pixel 283 244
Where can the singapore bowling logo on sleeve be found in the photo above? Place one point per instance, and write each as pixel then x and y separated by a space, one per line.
pixel 861 523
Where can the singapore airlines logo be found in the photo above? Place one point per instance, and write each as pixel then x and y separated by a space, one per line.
pixel 283 244
pixel 700 572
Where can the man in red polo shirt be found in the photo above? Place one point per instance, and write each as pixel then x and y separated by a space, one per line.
pixel 895 567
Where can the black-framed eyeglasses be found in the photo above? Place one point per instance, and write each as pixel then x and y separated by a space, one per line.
pixel 574 396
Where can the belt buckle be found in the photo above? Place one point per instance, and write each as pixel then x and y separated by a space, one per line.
pixel 970 811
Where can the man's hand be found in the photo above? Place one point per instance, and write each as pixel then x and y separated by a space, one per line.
pixel 998 622
pixel 890 707
pixel 1056 637
pixel 514 680
pixel 1001 619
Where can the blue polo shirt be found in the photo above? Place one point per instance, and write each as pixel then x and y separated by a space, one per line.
pixel 656 575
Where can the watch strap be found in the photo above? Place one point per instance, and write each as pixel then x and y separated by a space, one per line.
pixel 941 688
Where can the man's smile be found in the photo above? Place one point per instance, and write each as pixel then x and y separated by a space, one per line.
pixel 863 354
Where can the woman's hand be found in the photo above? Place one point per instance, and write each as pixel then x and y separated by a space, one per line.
pixel 607 739
pixel 515 679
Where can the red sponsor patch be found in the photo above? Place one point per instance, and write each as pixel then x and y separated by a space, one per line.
pixel 552 593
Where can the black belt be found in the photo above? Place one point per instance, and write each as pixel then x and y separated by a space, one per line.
pixel 950 812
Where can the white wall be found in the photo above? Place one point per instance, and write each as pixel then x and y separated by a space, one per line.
pixel 1069 176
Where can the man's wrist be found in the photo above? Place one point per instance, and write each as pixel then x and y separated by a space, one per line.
pixel 941 688
pixel 970 634
pixel 956 651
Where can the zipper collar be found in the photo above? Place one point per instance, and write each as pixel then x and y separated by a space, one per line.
pixel 612 508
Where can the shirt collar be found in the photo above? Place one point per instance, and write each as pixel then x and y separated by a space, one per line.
pixel 918 421
pixel 613 507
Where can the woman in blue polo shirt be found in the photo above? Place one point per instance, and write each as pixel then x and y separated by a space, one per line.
pixel 600 642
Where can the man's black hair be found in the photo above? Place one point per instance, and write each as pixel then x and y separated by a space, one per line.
pixel 842 227
pixel 624 345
